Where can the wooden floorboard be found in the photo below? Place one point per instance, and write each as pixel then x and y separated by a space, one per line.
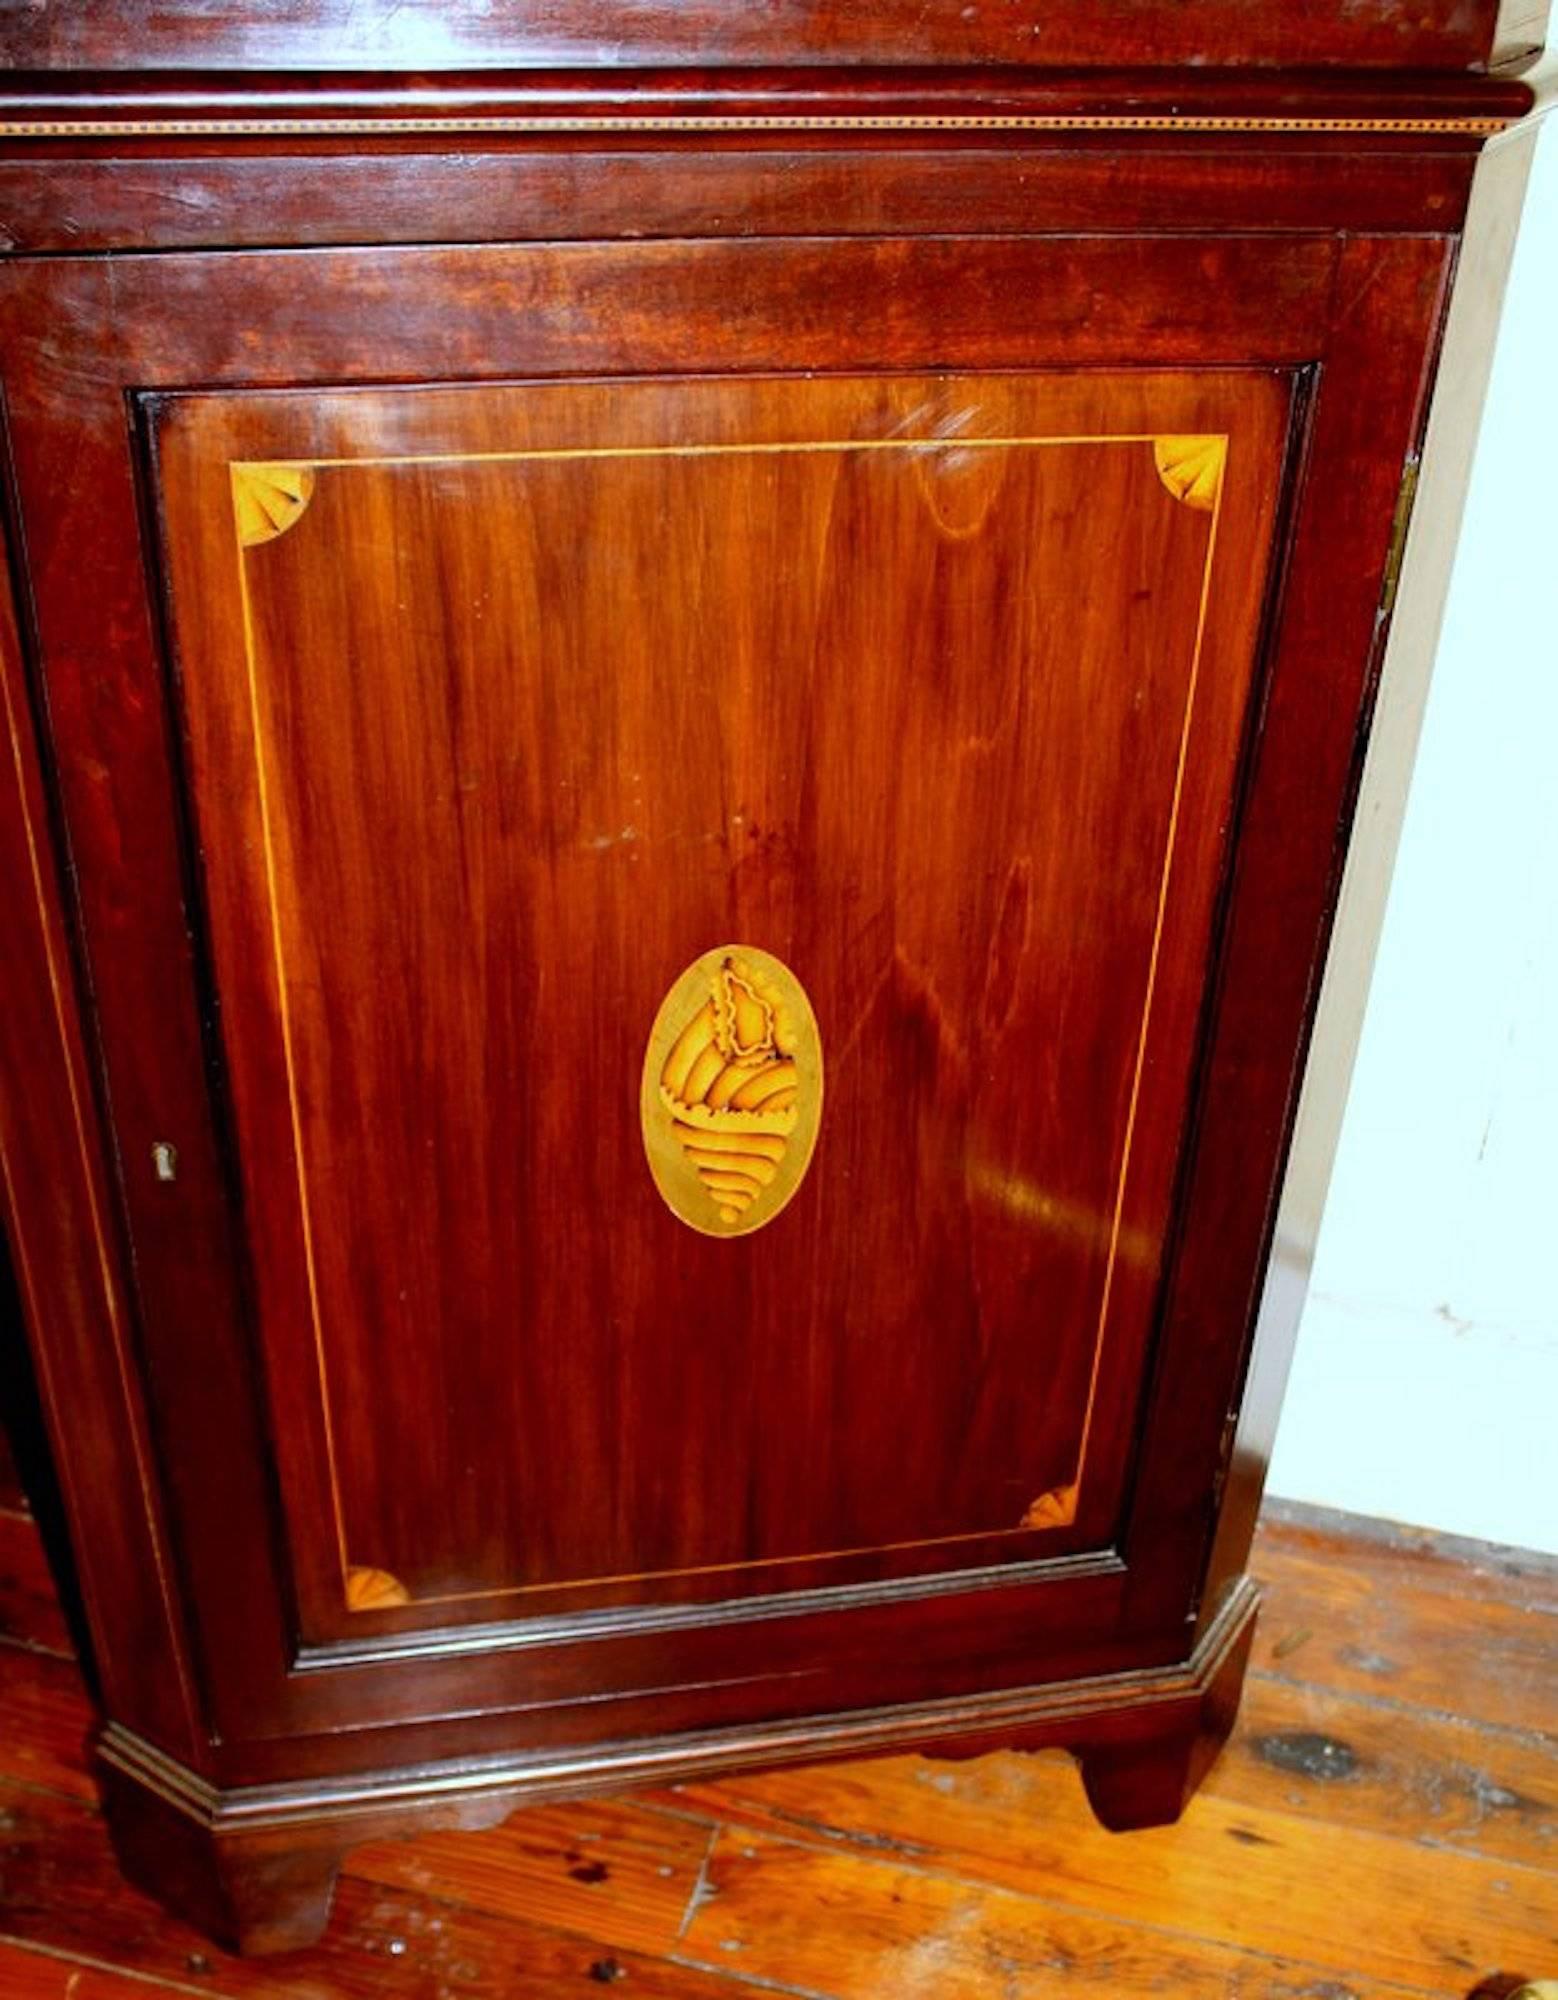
pixel 1012 1823
pixel 30 1613
pixel 1384 1823
pixel 1346 1762
pixel 30 1974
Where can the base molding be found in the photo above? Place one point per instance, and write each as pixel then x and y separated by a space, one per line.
pixel 255 1866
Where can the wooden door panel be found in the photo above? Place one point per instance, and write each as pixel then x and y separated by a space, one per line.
pixel 163 834
pixel 503 704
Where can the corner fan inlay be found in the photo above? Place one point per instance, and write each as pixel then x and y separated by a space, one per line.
pixel 374 1590
pixel 268 499
pixel 1192 468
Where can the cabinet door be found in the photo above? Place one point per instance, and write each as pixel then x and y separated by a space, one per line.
pixel 704 830
pixel 855 752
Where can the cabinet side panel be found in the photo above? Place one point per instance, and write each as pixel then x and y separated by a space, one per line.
pixel 62 1240
pixel 1374 379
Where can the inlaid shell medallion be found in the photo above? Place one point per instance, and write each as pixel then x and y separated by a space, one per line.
pixel 732 1091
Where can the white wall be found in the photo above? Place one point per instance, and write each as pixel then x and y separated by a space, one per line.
pixel 1425 1386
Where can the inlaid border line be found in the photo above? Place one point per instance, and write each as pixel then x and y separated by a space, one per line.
pixel 522 124
pixel 731 449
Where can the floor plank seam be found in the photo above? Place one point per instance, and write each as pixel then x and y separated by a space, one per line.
pixel 444 1900
pixel 1328 1984
pixel 1527 1593
pixel 1303 1825
pixel 819 1836
pixel 1544 1872
pixel 1282 1520
pixel 85 1962
pixel 31 1786
pixel 755 1980
pixel 1529 1739
pixel 35 1647
pixel 699 1892
pixel 1096 1913
pixel 687 1816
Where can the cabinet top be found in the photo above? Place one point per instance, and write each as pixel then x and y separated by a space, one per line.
pixel 440 35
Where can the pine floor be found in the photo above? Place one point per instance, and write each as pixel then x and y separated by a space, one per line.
pixel 1385 1823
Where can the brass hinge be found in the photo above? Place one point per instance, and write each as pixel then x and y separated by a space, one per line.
pixel 1398 536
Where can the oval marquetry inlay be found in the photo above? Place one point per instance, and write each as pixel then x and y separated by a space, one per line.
pixel 732 1091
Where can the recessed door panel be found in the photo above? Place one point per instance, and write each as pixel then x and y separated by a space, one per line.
pixel 708 887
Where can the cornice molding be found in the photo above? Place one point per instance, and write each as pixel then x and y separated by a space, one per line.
pixel 733 104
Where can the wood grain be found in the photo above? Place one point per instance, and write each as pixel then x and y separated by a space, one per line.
pixel 81 334
pixel 503 780
pixel 838 1923
pixel 844 1879
pixel 72 352
pixel 1008 1823
pixel 1378 1765
pixel 343 921
pixel 60 1890
pixel 30 1613
pixel 1414 1643
pixel 27 1974
pixel 596 1869
pixel 426 35
pixel 53 1194
pixel 48 1723
pixel 474 197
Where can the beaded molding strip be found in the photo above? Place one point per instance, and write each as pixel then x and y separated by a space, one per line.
pixel 714 122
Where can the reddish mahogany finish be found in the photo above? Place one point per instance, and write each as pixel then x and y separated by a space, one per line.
pixel 942 552
pixel 586 730
pixel 430 34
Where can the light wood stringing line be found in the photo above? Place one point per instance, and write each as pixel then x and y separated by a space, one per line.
pixel 714 123
pixel 1072 1490
pixel 304 1206
pixel 1152 972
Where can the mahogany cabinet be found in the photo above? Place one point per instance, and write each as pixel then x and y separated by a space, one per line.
pixel 683 685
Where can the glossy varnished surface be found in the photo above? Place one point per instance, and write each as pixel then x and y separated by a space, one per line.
pixel 470 196
pixel 61 1261
pixel 82 336
pixel 552 690
pixel 956 683
pixel 303 34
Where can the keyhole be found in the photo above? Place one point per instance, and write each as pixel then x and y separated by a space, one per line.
pixel 165 1161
